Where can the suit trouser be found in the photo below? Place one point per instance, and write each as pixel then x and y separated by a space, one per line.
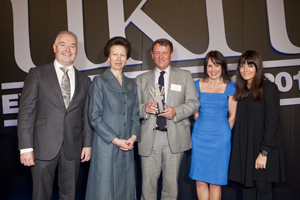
pixel 43 174
pixel 160 159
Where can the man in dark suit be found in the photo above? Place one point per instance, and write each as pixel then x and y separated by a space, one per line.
pixel 164 136
pixel 53 126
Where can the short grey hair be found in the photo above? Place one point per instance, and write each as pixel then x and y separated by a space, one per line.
pixel 66 32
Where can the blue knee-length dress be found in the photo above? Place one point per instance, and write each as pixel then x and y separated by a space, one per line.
pixel 211 137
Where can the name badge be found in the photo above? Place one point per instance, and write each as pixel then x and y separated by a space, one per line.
pixel 175 87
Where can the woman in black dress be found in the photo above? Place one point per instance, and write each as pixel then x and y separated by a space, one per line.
pixel 257 157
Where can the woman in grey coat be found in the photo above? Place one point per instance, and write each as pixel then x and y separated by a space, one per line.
pixel 114 114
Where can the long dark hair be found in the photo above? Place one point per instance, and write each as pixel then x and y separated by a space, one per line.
pixel 256 87
pixel 216 57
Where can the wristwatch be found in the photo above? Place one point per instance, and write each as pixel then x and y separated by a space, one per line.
pixel 264 153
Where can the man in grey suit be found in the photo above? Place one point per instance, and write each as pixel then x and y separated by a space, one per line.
pixel 53 126
pixel 164 136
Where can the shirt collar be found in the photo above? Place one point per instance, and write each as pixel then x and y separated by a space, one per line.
pixel 57 65
pixel 166 70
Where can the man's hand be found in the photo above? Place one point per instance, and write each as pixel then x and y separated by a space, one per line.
pixel 86 154
pixel 27 159
pixel 151 108
pixel 168 113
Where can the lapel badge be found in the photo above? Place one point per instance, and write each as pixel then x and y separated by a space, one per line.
pixel 128 87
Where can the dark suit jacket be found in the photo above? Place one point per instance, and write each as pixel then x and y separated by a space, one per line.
pixel 45 124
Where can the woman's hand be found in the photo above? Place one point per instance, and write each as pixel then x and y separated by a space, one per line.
pixel 125 145
pixel 261 162
pixel 232 103
pixel 131 141
pixel 196 115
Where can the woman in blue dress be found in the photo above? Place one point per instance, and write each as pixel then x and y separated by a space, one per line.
pixel 212 130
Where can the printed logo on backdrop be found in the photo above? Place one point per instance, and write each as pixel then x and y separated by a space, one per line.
pixel 117 25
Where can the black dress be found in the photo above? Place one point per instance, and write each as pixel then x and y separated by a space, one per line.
pixel 257 128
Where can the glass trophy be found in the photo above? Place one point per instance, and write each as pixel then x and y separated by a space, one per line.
pixel 158 95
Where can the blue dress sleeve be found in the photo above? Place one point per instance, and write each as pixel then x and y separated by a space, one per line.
pixel 230 90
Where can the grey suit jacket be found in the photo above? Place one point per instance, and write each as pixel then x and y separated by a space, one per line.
pixel 45 124
pixel 185 103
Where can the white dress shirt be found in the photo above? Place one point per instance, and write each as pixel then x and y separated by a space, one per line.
pixel 166 80
pixel 166 86
pixel 71 74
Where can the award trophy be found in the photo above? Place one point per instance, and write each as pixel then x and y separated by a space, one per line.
pixel 158 95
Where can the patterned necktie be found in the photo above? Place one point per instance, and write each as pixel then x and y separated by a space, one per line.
pixel 65 87
pixel 161 121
